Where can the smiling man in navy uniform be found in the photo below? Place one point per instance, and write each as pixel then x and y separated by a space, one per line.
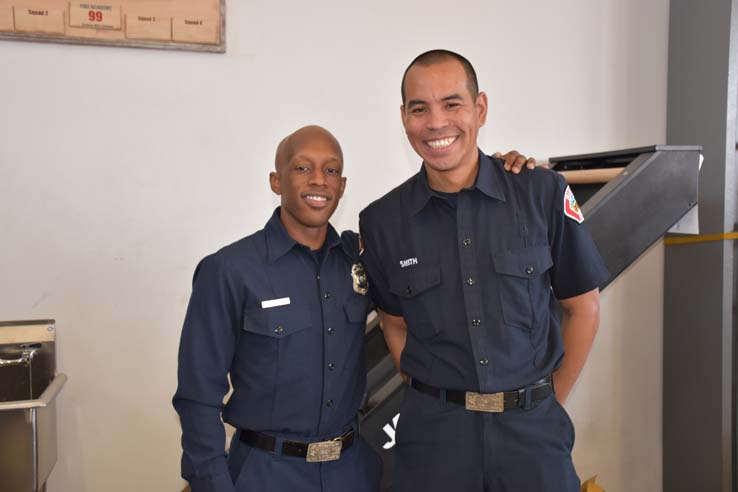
pixel 283 311
pixel 468 267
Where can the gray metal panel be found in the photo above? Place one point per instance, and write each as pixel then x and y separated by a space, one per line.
pixel 699 41
pixel 617 153
pixel 46 438
pixel 17 455
pixel 700 288
pixel 636 208
pixel 692 428
pixel 734 356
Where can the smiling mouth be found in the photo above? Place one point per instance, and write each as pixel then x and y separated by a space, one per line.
pixel 316 201
pixel 441 143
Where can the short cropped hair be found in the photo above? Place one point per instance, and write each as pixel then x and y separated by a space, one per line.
pixel 433 57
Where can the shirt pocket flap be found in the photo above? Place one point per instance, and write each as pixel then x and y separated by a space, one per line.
pixel 414 281
pixel 356 310
pixel 277 322
pixel 523 262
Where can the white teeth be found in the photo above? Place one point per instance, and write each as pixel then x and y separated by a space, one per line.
pixel 316 198
pixel 441 143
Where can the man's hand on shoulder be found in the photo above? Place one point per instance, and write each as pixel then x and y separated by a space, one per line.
pixel 514 161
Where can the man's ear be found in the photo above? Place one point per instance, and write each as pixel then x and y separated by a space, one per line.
pixel 481 105
pixel 274 183
pixel 402 114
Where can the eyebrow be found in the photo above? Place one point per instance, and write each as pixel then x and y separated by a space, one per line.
pixel 308 158
pixel 413 102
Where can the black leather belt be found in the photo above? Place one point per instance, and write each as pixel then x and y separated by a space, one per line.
pixel 490 402
pixel 312 451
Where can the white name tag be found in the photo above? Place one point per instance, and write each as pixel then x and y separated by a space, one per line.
pixel 275 302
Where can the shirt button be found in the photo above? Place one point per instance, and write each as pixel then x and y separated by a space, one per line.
pixel 408 291
pixel 279 330
pixel 476 322
pixel 330 330
pixel 470 281
pixel 318 277
pixel 529 270
pixel 331 366
pixel 329 403
pixel 483 361
pixel 466 242
pixel 327 295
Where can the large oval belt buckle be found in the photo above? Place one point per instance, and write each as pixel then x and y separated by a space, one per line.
pixel 485 402
pixel 323 451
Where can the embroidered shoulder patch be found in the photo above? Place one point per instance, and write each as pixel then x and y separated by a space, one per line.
pixel 571 208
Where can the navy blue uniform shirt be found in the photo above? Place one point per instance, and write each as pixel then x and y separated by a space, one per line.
pixel 297 369
pixel 476 275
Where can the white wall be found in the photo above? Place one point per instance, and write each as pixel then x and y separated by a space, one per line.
pixel 120 168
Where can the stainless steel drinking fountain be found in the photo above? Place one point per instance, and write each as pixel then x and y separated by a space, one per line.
pixel 29 386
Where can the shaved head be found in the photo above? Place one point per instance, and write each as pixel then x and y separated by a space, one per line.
pixel 308 177
pixel 292 143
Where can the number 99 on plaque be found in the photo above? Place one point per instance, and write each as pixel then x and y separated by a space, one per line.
pixel 96 15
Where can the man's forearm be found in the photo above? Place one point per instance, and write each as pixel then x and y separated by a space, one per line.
pixel 396 344
pixel 579 325
pixel 395 335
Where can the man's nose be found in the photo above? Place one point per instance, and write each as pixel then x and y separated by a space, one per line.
pixel 317 177
pixel 437 119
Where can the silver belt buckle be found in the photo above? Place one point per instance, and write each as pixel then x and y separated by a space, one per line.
pixel 324 451
pixel 485 402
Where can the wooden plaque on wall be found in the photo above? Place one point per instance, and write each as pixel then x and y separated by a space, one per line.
pixel 194 25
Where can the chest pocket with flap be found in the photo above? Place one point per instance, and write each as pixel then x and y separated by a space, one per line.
pixel 523 288
pixel 415 287
pixel 277 322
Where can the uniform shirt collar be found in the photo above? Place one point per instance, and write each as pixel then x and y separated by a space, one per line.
pixel 279 242
pixel 487 182
pixel 489 178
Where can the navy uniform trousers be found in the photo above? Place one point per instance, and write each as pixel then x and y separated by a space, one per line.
pixel 253 470
pixel 441 446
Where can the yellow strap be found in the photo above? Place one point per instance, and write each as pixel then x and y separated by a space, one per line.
pixel 726 236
